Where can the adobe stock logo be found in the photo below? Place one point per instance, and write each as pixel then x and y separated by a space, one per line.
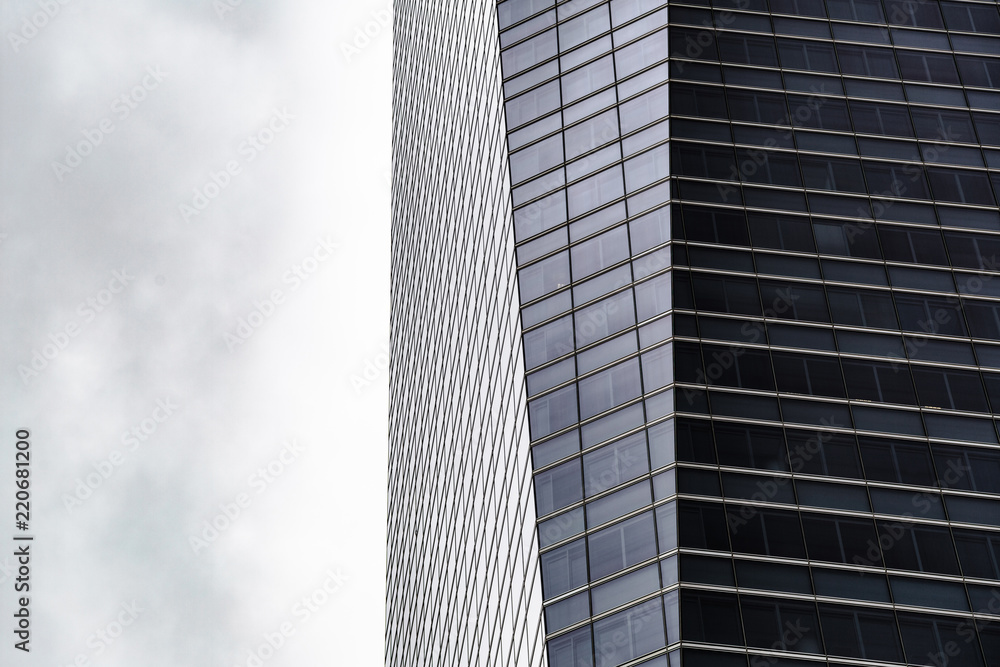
pixel 122 107
pixel 249 149
pixel 58 340
pixel 31 26
pixel 231 510
pixel 295 277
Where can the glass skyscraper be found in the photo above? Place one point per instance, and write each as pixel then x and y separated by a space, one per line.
pixel 742 395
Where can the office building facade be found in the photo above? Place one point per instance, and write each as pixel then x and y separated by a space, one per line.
pixel 756 243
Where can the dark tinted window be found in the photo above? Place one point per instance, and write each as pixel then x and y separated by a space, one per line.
pixel 711 617
pixel 892 461
pixel 841 540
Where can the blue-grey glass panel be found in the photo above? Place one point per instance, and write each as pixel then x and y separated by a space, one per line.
pixel 512 11
pixel 744 405
pixel 561 527
pixel 826 143
pixel 612 425
pixel 581 55
pixel 907 503
pixel 969 218
pixel 665 485
pixel 928 593
pixel 929 349
pixel 566 612
pixel 763 136
pixel 558 487
pixel 625 589
pixel 811 83
pixel 773 577
pixel 782 265
pixel 746 76
pixel 539 216
pixel 988 355
pixel 542 246
pixel 656 331
pixel 854 272
pixel 979 99
pixel 935 95
pixel 660 405
pixel 543 310
pixel 802 27
pixel 873 344
pixel 588 106
pixel 887 148
pixel 848 584
pixel 887 421
pixel 638 28
pixel 788 335
pixel 920 39
pixel 662 448
pixel 618 504
pixel 973 510
pixel 551 376
pixel 607 352
pixel 642 625
pixel 555 449
pixel 879 90
pixel 758 487
pixel 948 427
pixel 615 464
pixel 597 221
pixel 641 82
pixel 947 154
pixel 602 284
pixel 905 212
pixel 922 279
pixel 593 161
pixel 835 496
pixel 860 33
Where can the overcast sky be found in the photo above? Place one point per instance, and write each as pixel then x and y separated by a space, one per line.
pixel 193 324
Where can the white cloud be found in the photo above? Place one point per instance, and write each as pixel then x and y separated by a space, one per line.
pixel 163 335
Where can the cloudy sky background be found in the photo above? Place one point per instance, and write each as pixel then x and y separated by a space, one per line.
pixel 311 372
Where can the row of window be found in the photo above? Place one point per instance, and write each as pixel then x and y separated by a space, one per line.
pixel 892 346
pixel 597 131
pixel 856 379
pixel 621 637
pixel 832 412
pixel 847 584
pixel 839 205
pixel 848 59
pixel 960 16
pixel 830 113
pixel 878 241
pixel 894 544
pixel 597 321
pixel 855 498
pixel 644 233
pixel 512 12
pixel 608 185
pixel 836 630
pixel 834 84
pixel 887 179
pixel 878 309
pixel 841 144
pixel 581 81
pixel 609 550
pixel 838 455
pixel 848 32
pixel 836 270
pixel 608 427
